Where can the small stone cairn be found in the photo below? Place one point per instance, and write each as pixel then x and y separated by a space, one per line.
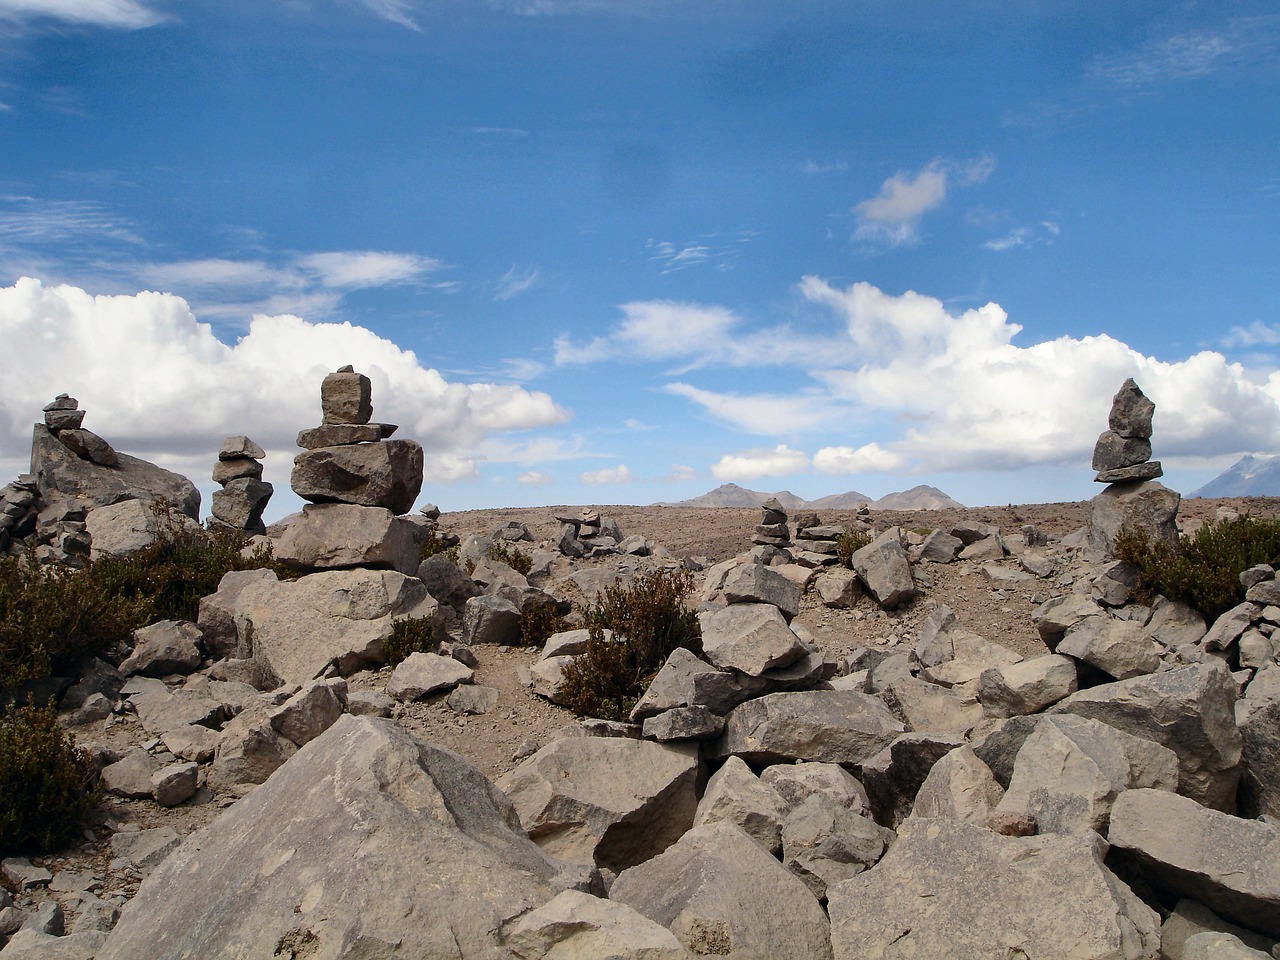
pixel 772 530
pixel 64 418
pixel 1123 452
pixel 244 495
pixel 19 513
pixel 815 544
pixel 349 458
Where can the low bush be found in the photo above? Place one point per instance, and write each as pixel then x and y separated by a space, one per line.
pixel 849 543
pixel 648 621
pixel 45 781
pixel 434 543
pixel 409 635
pixel 513 557
pixel 1204 569
pixel 539 623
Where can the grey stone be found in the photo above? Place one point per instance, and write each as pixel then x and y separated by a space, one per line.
pixel 1228 628
pixel 311 711
pixel 87 445
pixel 369 703
pixel 611 802
pixel 346 397
pixel 958 787
pixel 1055 617
pixel 191 742
pixel 1113 451
pixel 472 699
pixel 387 474
pixel 893 776
pixel 796 782
pixel 923 706
pixel 239 448
pixel 578 926
pixel 1190 710
pixel 33 945
pixel 363 828
pixel 1119 648
pixel 1152 470
pixel 130 776
pixel 988 548
pixel 448 584
pixel 175 783
pixel 422 674
pixel 1131 411
pixel 548 680
pixel 335 536
pixel 839 589
pixel 749 637
pixel 336 618
pixel 146 849
pixel 687 681
pixel 341 434
pixel 824 843
pixel 947 888
pixel 1190 918
pixel 940 547
pixel 756 583
pixel 23 875
pixel 249 751
pixel 241 502
pixel 163 648
pixel 125 528
pixel 683 723
pixel 1139 504
pixel 491 619
pixel 834 726
pixel 1220 946
pixel 1230 865
pixel 1260 779
pixel 1015 689
pixel 709 890
pixel 883 567
pixel 217 618
pixel 224 471
pixel 736 795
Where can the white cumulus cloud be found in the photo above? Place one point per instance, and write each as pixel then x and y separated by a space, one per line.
pixel 618 474
pixel 779 461
pixel 535 478
pixel 156 382
pixel 892 217
pixel 868 458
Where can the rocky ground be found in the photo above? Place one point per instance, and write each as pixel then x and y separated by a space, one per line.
pixel 522 721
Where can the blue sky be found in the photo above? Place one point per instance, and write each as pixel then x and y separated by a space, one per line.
pixel 621 252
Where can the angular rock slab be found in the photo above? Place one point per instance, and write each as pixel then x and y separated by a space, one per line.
pixel 387 474
pixel 605 801
pixel 1190 710
pixel 1230 865
pixel 736 795
pixel 833 726
pixel 367 843
pixel 1016 689
pixel 884 568
pixel 722 895
pixel 299 628
pixel 335 536
pixel 951 889
pixel 578 925
pixel 1142 504
pixel 750 637
pixel 422 674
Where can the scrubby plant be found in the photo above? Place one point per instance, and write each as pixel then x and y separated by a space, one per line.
pixel 1204 569
pixel 434 544
pixel 513 557
pixel 539 622
pixel 409 635
pixel 648 620
pixel 849 543
pixel 46 782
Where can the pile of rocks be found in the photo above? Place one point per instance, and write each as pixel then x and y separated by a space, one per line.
pixel 63 418
pixel 591 536
pixel 772 530
pixel 19 513
pixel 816 542
pixel 1122 457
pixel 244 495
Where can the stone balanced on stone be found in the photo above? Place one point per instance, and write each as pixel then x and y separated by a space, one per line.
pixel 244 494
pixel 1123 452
pixel 772 530
pixel 348 458
pixel 63 418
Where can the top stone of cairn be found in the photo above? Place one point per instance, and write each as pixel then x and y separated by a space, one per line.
pixel 1131 412
pixel 346 397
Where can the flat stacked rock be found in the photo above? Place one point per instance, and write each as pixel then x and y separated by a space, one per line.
pixel 63 418
pixel 816 542
pixel 348 458
pixel 1123 452
pixel 244 495
pixel 772 530
pixel 19 513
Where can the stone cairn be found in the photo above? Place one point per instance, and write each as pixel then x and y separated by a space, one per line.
pixel 1123 452
pixel 348 458
pixel 63 418
pixel 244 494
pixel 772 530
pixel 590 535
pixel 1122 457
pixel 19 513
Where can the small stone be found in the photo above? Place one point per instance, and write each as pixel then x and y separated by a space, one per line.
pixel 174 784
pixel 234 448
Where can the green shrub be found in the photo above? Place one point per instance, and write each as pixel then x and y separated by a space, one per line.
pixel 513 557
pixel 849 543
pixel 437 544
pixel 648 620
pixel 45 781
pixel 1202 570
pixel 539 623
pixel 409 635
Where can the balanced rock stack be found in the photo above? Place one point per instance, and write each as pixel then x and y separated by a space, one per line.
pixel 19 513
pixel 816 544
pixel 244 494
pixel 1122 457
pixel 1123 452
pixel 772 530
pixel 63 418
pixel 358 483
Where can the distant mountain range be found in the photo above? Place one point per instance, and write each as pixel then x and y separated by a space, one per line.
pixel 732 495
pixel 1253 475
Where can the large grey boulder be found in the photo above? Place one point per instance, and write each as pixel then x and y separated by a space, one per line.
pixel 367 843
pixel 299 628
pixel 336 536
pixel 61 475
pixel 1260 738
pixel 1119 648
pixel 722 895
pixel 951 889
pixel 448 584
pixel 958 787
pixel 130 526
pixel 883 566
pixel 1016 689
pixel 491 618
pixel 1230 865
pixel 926 706
pixel 216 616
pixel 249 751
pixel 386 474
pixel 1070 771
pixel 687 681
pixel 757 583
pixel 824 842
pixel 749 637
pixel 893 776
pixel 1190 918
pixel 1139 504
pixel 605 801
pixel 422 674
pixel 241 502
pixel 737 795
pixel 165 647
pixel 1190 710
pixel 835 726
pixel 577 926
pixel 346 397
pixel 796 782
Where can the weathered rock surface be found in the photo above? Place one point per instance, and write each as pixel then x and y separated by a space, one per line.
pixel 951 889
pixel 1143 505
pixel 756 583
pixel 165 647
pixel 958 787
pixel 387 474
pixel 367 844
pixel 1010 690
pixel 736 795
pixel 711 890
pixel 578 926
pixel 611 802
pixel 422 674
pixel 824 842
pixel 750 637
pixel 1119 648
pixel 335 536
pixel 836 726
pixel 884 568
pixel 796 782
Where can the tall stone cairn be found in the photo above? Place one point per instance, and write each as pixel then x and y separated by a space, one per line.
pixel 244 495
pixel 1123 451
pixel 1132 498
pixel 63 418
pixel 349 458
pixel 772 530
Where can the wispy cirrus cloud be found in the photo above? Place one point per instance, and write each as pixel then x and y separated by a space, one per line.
pixel 516 281
pixel 1044 232
pixel 892 217
pixel 1189 54
pixel 117 14
pixel 396 11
